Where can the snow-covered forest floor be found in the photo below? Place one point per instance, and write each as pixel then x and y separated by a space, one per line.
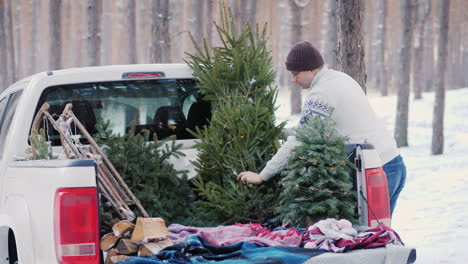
pixel 432 211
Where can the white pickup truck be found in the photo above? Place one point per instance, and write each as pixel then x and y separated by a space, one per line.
pixel 49 208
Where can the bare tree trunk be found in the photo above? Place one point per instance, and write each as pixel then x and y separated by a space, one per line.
pixel 465 45
pixel 131 32
pixel 418 58
pixel 35 11
pixel 94 32
pixel 3 50
pixel 161 46
pixel 379 42
pixel 428 52
pixel 331 42
pixel 296 36
pixel 350 40
pixel 208 21
pixel 198 19
pixel 439 103
pixel 10 48
pixel 17 37
pixel 401 127
pixel 250 8
pixel 55 42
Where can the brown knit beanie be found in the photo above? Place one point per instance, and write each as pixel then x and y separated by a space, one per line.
pixel 303 57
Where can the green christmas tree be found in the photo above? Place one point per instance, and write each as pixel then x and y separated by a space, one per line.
pixel 41 145
pixel 163 190
pixel 236 78
pixel 318 182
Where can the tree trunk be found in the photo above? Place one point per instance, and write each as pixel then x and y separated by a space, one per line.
pixel 208 21
pixel 17 37
pixel 10 48
pixel 296 36
pixel 350 40
pixel 197 18
pixel 465 45
pixel 55 41
pixel 131 32
pixel 379 42
pixel 439 103
pixel 330 52
pixel 94 32
pixel 3 50
pixel 418 51
pixel 33 54
pixel 161 46
pixel 401 127
pixel 250 9
pixel 428 52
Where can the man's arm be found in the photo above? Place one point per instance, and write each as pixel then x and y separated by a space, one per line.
pixel 278 163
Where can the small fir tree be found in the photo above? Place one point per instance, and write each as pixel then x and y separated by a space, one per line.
pixel 318 182
pixel 242 136
pixel 163 190
pixel 41 145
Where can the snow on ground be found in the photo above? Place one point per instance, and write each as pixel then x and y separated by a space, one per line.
pixel 432 211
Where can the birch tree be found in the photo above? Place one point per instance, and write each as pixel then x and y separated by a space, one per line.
pixel 350 40
pixel 401 126
pixel 379 42
pixel 437 146
pixel 94 34
pixel 131 32
pixel 424 8
pixel 161 46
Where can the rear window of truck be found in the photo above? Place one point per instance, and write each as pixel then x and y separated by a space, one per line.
pixel 163 107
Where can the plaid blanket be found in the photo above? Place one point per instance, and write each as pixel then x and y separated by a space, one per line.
pixel 195 250
pixel 375 237
pixel 227 235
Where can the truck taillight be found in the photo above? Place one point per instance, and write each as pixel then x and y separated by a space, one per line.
pixel 377 197
pixel 76 226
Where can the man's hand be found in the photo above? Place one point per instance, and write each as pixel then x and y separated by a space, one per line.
pixel 248 177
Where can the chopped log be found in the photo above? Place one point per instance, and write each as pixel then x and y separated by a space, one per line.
pixel 108 241
pixel 149 230
pixel 118 258
pixel 111 253
pixel 153 248
pixel 122 228
pixel 126 247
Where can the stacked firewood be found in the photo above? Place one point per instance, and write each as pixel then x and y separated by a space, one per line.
pixel 148 236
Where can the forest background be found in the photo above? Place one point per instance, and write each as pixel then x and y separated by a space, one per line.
pixel 389 47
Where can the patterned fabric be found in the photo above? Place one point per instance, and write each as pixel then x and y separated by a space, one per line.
pixel 315 107
pixel 196 250
pixel 375 237
pixel 227 235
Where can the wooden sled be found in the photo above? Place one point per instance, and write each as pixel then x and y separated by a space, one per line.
pixel 111 184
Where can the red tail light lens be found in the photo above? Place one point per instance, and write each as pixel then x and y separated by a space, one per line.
pixel 377 197
pixel 76 226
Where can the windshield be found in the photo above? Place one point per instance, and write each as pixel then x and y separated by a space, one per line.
pixel 165 107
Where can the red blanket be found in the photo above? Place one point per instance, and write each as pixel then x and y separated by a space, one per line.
pixel 227 235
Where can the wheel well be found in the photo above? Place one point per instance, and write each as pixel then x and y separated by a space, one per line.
pixel 12 252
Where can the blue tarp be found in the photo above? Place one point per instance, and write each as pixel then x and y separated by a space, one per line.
pixel 195 250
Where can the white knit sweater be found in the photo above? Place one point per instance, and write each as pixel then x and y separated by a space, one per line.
pixel 352 114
